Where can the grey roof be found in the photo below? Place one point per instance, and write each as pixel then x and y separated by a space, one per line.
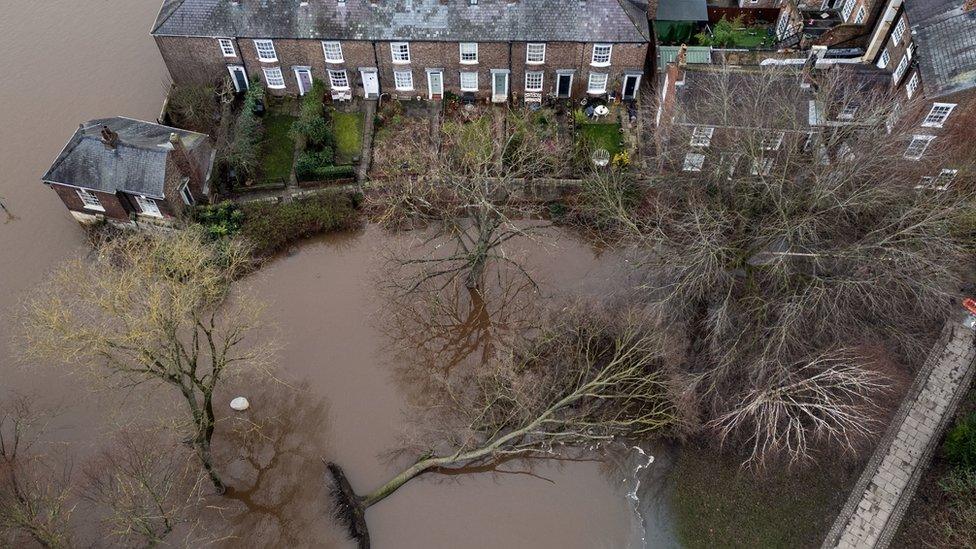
pixel 946 38
pixel 682 10
pixel 136 165
pixel 419 20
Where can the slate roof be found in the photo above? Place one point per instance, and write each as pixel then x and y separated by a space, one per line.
pixel 946 39
pixel 409 20
pixel 682 10
pixel 137 165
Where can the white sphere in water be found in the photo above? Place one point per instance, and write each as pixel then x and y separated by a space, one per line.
pixel 240 404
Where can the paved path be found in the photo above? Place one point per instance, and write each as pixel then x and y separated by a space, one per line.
pixel 879 500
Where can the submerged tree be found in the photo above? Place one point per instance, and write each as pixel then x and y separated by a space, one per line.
pixel 154 307
pixel 584 378
pixel 34 492
pixel 789 225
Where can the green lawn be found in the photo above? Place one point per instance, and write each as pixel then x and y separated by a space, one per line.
pixel 602 136
pixel 718 505
pixel 348 130
pixel 277 148
pixel 743 38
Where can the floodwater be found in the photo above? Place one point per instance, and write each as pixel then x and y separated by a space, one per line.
pixel 66 62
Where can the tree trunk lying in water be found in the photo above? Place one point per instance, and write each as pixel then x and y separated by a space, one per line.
pixel 349 508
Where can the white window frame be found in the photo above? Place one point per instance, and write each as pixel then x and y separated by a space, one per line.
pixel 861 14
pixel 534 74
pixel 917 147
pixel 885 59
pixel 147 206
pixel 270 80
pixel 775 146
pixel 848 112
pixel 336 78
pixel 266 45
pixel 472 50
pixel 945 177
pixel 404 56
pixel 899 31
pixel 762 166
pixel 398 75
pixel 912 85
pixel 185 193
pixel 701 136
pixel 693 162
pixel 533 58
pixel 602 88
pixel 848 9
pixel 900 69
pixel 937 115
pixel 594 62
pixel 227 47
pixel 90 200
pixel 469 74
pixel 336 47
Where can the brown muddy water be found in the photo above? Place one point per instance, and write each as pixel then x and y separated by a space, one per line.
pixel 66 62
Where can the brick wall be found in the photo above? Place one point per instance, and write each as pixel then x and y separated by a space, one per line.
pixel 199 60
pixel 114 208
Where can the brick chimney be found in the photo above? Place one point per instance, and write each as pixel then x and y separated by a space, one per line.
pixel 110 138
pixel 184 163
pixel 652 9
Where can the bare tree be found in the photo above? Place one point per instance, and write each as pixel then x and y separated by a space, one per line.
pixel 469 196
pixel 585 378
pixel 154 307
pixel 789 223
pixel 145 487
pixel 34 493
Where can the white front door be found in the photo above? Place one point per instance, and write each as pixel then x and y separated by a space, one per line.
pixel 435 84
pixel 371 84
pixel 499 87
pixel 239 77
pixel 304 77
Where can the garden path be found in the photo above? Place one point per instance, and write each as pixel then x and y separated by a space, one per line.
pixel 880 498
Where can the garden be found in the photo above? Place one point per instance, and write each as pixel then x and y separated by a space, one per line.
pixel 402 143
pixel 735 33
pixel 270 139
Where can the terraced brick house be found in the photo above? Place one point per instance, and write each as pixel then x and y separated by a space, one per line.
pixel 123 170
pixel 497 50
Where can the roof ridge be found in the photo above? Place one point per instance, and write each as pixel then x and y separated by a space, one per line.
pixel 627 12
pixel 160 19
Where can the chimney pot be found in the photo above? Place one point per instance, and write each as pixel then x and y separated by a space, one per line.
pixel 109 138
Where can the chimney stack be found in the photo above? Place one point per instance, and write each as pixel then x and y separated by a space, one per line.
pixel 682 58
pixel 110 138
pixel 184 164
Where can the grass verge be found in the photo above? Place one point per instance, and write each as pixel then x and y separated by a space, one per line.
pixel 348 130
pixel 718 505
pixel 277 148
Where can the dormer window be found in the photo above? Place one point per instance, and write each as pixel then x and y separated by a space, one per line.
pixel 469 53
pixel 400 51
pixel 266 50
pixel 601 55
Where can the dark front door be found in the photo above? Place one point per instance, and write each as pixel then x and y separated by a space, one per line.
pixel 240 78
pixel 630 86
pixel 564 85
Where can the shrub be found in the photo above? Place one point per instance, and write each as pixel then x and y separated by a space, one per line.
pixel 724 34
pixel 315 133
pixel 621 160
pixel 270 227
pixel 310 162
pixel 579 117
pixel 192 107
pixel 243 151
pixel 220 220
pixel 960 443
